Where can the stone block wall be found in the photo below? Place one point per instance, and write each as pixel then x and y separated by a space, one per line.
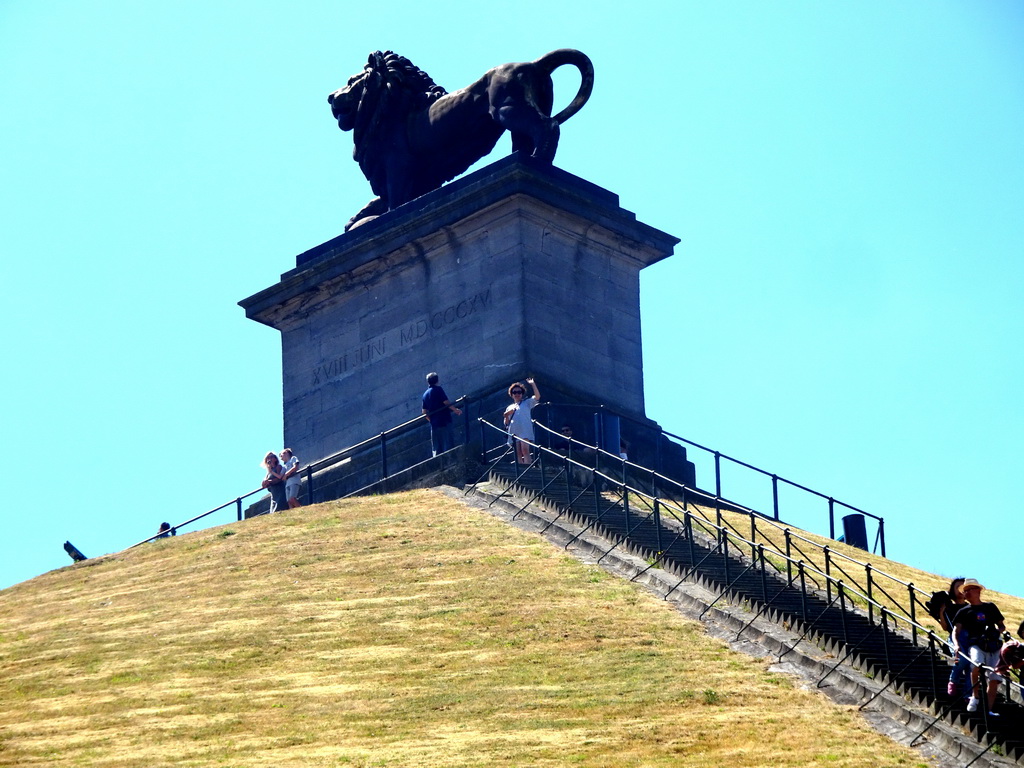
pixel 516 269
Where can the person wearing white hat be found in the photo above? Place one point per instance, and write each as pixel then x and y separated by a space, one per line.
pixel 982 625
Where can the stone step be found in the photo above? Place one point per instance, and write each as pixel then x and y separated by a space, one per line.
pixel 880 652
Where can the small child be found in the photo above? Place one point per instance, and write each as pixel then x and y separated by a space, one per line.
pixel 291 477
pixel 1011 656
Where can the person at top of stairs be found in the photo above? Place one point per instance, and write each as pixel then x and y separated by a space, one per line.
pixel 518 420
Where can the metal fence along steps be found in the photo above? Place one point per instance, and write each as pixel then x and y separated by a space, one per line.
pixel 823 593
pixel 662 531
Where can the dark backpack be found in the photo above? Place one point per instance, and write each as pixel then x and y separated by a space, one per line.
pixel 935 605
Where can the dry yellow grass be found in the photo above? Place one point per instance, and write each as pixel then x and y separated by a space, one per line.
pixel 404 630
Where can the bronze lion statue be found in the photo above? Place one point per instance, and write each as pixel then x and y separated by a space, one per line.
pixel 411 136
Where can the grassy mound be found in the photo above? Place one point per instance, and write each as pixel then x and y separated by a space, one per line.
pixel 404 630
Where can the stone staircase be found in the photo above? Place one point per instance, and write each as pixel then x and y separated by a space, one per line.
pixel 872 644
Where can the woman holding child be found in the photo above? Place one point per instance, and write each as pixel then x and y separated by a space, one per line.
pixel 274 482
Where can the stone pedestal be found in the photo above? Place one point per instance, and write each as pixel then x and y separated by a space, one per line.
pixel 513 270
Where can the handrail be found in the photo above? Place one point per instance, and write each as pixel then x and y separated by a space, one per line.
pixel 718 456
pixel 380 441
pixel 721 529
pixel 334 458
pixel 328 461
pixel 736 507
pixel 173 530
pixel 921 636
pixel 907 615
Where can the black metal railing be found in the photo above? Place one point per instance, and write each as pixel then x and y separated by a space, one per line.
pixel 377 463
pixel 859 588
pixel 717 459
pixel 372 453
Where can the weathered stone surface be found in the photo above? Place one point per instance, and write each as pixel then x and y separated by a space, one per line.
pixel 517 269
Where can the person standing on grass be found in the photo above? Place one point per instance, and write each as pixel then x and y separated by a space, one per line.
pixel 438 412
pixel 979 625
pixel 274 482
pixel 518 420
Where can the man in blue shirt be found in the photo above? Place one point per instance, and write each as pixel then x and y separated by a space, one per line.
pixel 438 411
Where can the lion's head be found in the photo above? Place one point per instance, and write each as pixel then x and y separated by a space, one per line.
pixel 388 83
pixel 345 101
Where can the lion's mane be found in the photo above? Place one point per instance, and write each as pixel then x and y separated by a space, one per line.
pixel 391 85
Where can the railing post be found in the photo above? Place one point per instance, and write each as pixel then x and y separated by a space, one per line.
pixel 625 506
pixel 831 518
pixel 718 474
pixel 913 613
pixel 657 524
pixel 842 611
pixel 764 576
pixel 932 652
pixel 383 456
pixel 568 478
pixel 688 529
pixel 881 533
pixel 885 638
pixel 803 591
pixel 828 572
pixel 238 505
pixel 725 554
pixel 753 535
pixel 789 558
pixel 483 442
pixel 983 694
pixel 871 599
pixel 775 495
pixel 309 485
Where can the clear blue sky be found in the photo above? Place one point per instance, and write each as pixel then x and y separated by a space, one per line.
pixel 844 308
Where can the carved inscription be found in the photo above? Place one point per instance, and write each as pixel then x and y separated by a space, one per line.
pixel 447 316
pixel 349 361
pixel 398 338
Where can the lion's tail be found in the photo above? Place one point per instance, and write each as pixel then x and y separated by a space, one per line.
pixel 549 62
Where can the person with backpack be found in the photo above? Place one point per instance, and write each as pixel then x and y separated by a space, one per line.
pixel 943 607
pixel 980 626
